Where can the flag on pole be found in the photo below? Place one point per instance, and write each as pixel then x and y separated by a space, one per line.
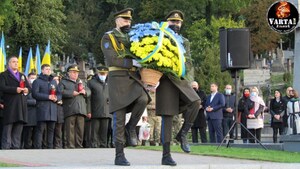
pixel 47 58
pixel 3 48
pixel 38 60
pixel 30 66
pixel 20 68
pixel 2 54
pixel 2 66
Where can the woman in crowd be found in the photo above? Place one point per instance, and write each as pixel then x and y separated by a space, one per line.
pixel 277 110
pixel 293 111
pixel 245 104
pixel 255 121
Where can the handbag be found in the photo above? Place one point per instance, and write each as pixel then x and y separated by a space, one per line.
pixel 144 132
pixel 277 120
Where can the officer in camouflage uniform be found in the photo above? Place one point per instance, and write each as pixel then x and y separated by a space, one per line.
pixel 174 96
pixel 153 120
pixel 126 92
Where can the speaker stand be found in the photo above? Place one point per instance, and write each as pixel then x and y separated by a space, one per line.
pixel 234 125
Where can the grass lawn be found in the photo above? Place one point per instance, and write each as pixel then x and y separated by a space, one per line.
pixel 8 165
pixel 239 153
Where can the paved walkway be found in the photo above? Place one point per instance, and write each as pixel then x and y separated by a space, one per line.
pixel 140 159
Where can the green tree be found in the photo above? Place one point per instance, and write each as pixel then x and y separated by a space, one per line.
pixel 206 52
pixel 263 38
pixel 7 15
pixel 38 21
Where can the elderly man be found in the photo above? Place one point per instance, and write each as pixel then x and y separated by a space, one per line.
pixel 99 108
pixel 14 87
pixel 228 111
pixel 74 97
pixel 126 92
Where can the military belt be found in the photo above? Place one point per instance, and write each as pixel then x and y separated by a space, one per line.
pixel 114 68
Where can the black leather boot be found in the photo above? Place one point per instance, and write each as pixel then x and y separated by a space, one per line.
pixel 167 159
pixel 131 137
pixel 181 137
pixel 120 156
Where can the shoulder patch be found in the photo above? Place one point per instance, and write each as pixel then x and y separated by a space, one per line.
pixel 106 45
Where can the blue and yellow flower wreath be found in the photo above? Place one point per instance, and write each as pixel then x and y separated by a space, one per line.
pixel 158 47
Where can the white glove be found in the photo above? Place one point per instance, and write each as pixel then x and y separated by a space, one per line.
pixel 136 63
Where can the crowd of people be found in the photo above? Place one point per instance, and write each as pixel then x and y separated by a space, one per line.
pixel 219 114
pixel 53 111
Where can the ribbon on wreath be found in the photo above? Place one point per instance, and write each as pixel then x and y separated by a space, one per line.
pixel 163 27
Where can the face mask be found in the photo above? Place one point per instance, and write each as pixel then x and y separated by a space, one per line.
pixel 227 91
pixel 175 28
pixel 32 80
pixel 195 89
pixel 102 78
pixel 125 29
pixel 253 94
pixel 246 94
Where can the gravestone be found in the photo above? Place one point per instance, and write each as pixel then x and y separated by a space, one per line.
pixel 82 73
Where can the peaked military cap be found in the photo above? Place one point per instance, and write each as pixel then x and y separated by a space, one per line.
pixel 102 69
pixel 73 68
pixel 125 13
pixel 176 15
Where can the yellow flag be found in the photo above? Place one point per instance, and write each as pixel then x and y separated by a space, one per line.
pixel 32 67
pixel 47 58
pixel 20 68
pixel 2 66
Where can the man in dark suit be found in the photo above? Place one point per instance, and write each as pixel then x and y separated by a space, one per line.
pixel 15 105
pixel 126 92
pixel 175 95
pixel 214 112
pixel 200 121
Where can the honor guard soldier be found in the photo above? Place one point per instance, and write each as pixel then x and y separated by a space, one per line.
pixel 126 92
pixel 174 96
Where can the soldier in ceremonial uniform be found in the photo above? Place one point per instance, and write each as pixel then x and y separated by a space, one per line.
pixel 126 92
pixel 174 96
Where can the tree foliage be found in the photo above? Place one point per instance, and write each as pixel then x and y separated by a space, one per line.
pixel 75 27
pixel 7 15
pixel 38 21
pixel 206 52
pixel 263 38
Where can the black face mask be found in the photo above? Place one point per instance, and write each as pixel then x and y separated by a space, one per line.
pixel 125 29
pixel 175 28
pixel 195 89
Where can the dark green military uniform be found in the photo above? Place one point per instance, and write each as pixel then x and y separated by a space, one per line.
pixel 174 96
pixel 75 109
pixel 126 92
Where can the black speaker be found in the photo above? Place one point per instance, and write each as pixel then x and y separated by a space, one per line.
pixel 234 48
